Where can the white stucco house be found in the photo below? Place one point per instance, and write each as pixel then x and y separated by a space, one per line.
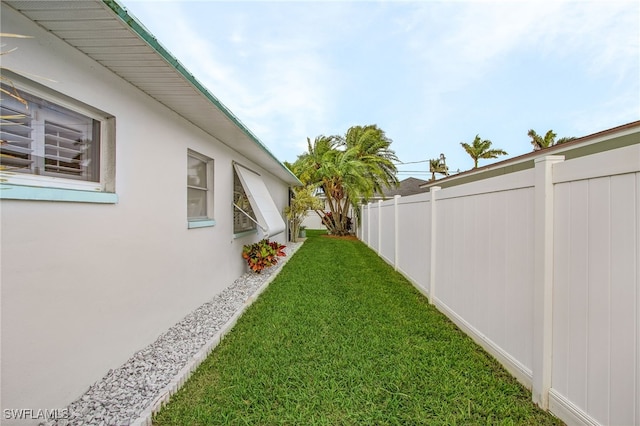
pixel 127 192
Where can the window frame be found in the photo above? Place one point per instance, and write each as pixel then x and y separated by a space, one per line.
pixel 267 214
pixel 208 219
pixel 58 186
pixel 240 216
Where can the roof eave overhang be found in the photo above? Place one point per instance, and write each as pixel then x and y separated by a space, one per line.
pixel 106 32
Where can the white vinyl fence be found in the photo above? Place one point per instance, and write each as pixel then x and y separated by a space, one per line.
pixel 541 267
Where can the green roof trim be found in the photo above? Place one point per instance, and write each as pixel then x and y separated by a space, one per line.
pixel 153 42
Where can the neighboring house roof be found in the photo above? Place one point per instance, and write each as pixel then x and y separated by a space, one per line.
pixel 408 186
pixel 617 137
pixel 107 33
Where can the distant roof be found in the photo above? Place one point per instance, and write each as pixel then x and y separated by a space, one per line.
pixel 408 186
pixel 616 137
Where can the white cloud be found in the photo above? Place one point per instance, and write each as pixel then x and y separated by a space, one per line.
pixel 275 80
pixel 581 46
pixel 292 70
pixel 471 38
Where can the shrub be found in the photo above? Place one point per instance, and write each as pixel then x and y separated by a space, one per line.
pixel 262 254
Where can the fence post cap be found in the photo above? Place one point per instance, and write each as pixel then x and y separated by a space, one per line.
pixel 549 158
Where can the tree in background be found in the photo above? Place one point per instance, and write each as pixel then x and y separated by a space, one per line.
pixel 437 165
pixel 370 146
pixel 548 140
pixel 481 149
pixel 304 199
pixel 349 170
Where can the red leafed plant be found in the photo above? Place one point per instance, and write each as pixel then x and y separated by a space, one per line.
pixel 279 248
pixel 262 254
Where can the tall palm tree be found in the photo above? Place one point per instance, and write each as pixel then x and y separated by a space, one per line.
pixel 369 145
pixel 344 181
pixel 481 149
pixel 349 170
pixel 548 140
pixel 307 165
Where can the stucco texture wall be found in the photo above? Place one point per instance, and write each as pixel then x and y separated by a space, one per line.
pixel 84 286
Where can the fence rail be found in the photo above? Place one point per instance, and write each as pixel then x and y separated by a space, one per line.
pixel 541 267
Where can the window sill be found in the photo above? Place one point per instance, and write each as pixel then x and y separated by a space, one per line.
pixel 192 224
pixel 33 193
pixel 245 233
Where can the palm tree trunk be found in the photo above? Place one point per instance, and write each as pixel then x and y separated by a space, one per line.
pixel 331 226
pixel 343 216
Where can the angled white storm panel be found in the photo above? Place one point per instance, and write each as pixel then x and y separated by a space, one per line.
pixel 263 206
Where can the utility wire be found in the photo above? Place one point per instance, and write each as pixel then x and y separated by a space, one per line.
pixel 412 162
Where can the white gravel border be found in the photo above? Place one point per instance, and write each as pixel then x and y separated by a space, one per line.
pixel 131 394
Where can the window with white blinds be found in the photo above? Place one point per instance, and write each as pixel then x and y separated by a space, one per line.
pixel 40 137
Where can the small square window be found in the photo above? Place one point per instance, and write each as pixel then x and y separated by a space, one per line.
pixel 199 187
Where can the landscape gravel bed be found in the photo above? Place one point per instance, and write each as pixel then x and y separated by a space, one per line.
pixel 128 394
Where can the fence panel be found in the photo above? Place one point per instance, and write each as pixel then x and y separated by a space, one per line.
pixel 414 236
pixel 363 225
pixel 596 312
pixel 387 231
pixel 374 212
pixel 484 272
pixel 542 268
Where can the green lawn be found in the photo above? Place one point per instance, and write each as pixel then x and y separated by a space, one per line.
pixel 340 338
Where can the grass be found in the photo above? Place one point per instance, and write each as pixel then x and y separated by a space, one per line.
pixel 339 338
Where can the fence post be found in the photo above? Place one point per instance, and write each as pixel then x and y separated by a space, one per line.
pixel 379 226
pixel 396 254
pixel 432 260
pixel 543 279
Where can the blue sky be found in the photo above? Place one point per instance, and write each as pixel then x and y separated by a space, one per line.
pixel 431 74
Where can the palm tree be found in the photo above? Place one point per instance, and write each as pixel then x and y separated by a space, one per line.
pixel 304 199
pixel 306 166
pixel 349 170
pixel 481 149
pixel 548 140
pixel 370 145
pixel 436 165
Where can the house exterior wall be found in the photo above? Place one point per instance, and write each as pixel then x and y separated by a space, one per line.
pixel 84 286
pixel 542 268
